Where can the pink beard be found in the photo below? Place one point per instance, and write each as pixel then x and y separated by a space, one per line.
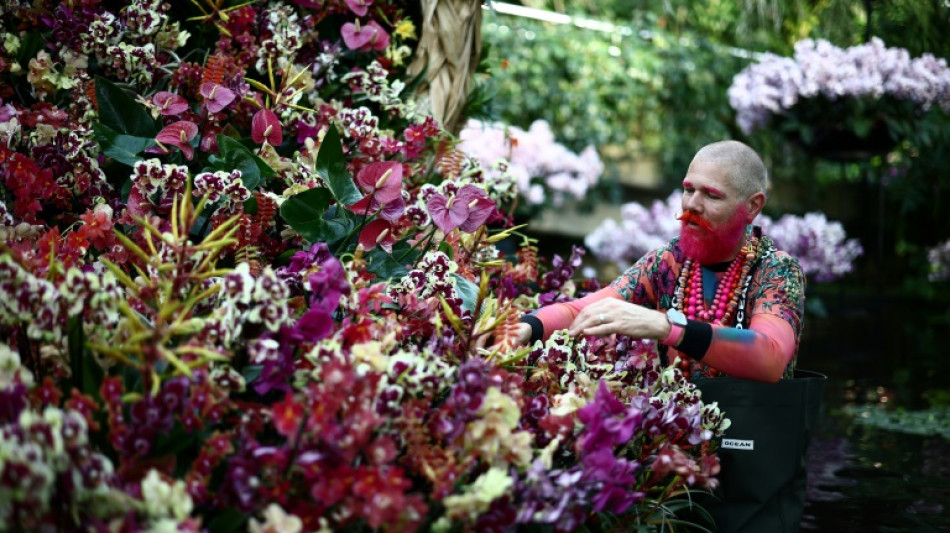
pixel 710 245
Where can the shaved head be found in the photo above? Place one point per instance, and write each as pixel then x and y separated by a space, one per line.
pixel 741 162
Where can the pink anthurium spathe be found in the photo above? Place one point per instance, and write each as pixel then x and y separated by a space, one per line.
pixel 377 233
pixel 382 179
pixel 369 36
pixel 358 7
pixel 467 209
pixel 216 96
pixel 265 127
pixel 179 134
pixel 170 103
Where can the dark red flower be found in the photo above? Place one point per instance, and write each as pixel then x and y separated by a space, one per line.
pixel 179 134
pixel 378 233
pixel 265 127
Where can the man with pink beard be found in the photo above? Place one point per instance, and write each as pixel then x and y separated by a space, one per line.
pixel 720 299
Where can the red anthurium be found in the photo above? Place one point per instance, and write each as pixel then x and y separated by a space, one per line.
pixel 170 103
pixel 381 179
pixel 468 209
pixel 179 134
pixel 216 96
pixel 377 233
pixel 265 127
pixel 370 36
pixel 358 7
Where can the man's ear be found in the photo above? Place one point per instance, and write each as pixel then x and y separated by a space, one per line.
pixel 755 203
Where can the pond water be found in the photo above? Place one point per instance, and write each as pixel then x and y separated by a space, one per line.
pixel 883 352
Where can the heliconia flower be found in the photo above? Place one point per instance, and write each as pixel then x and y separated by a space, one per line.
pixel 170 103
pixel 179 134
pixel 468 209
pixel 358 7
pixel 217 97
pixel 370 36
pixel 265 127
pixel 377 233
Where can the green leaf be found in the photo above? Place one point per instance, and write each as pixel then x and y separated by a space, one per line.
pixel 125 149
pixel 467 290
pixel 304 212
pixel 251 373
pixel 331 166
pixel 228 521
pixel 862 126
pixel 385 266
pixel 29 46
pixel 234 155
pixel 121 112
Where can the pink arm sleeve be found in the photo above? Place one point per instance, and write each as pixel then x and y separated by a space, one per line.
pixel 760 353
pixel 560 315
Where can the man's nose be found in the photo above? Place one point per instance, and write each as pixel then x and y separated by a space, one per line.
pixel 691 203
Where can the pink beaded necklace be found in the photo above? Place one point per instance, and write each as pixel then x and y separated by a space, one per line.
pixel 688 297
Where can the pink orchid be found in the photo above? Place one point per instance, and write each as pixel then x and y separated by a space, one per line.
pixel 358 7
pixel 170 103
pixel 265 127
pixel 468 209
pixel 178 134
pixel 216 96
pixel 372 36
pixel 377 233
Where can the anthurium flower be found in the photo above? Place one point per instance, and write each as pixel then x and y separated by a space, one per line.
pixel 216 96
pixel 170 103
pixel 467 209
pixel 265 127
pixel 382 179
pixel 377 233
pixel 358 7
pixel 370 36
pixel 179 134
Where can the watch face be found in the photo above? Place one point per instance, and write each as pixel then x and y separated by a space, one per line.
pixel 676 317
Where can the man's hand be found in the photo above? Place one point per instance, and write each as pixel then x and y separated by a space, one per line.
pixel 611 316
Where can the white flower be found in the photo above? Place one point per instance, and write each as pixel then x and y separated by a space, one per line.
pixel 276 520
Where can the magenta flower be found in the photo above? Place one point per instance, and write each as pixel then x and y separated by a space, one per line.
pixel 377 233
pixel 383 180
pixel 358 7
pixel 467 210
pixel 372 36
pixel 217 97
pixel 170 103
pixel 178 134
pixel 265 127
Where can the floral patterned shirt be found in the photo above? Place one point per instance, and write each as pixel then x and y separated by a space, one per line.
pixel 777 289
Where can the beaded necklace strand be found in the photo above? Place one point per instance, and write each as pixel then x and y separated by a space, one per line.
pixel 688 297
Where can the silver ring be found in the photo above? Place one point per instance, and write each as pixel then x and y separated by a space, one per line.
pixel 601 317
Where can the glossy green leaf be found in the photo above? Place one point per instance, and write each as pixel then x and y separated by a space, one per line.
pixel 304 213
pixel 384 265
pixel 234 155
pixel 331 167
pixel 467 290
pixel 121 112
pixel 126 149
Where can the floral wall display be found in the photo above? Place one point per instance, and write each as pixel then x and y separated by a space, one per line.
pixel 862 90
pixel 545 172
pixel 245 279
pixel 821 246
